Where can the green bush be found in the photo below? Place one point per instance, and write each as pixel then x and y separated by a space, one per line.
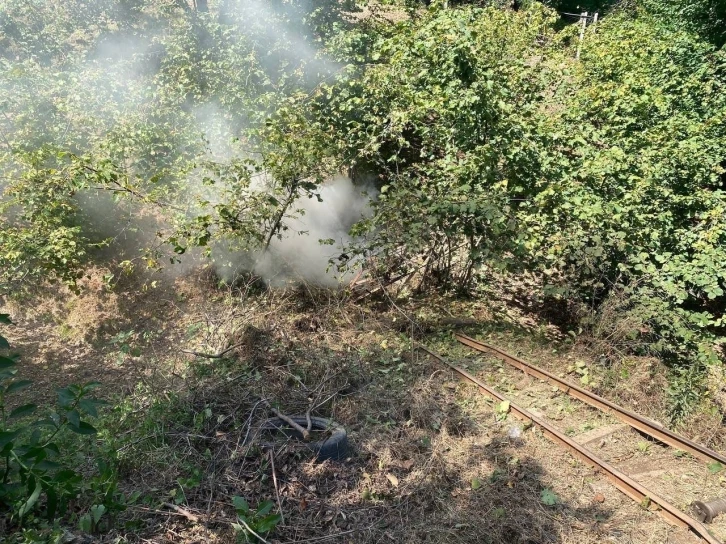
pixel 39 477
pixel 496 150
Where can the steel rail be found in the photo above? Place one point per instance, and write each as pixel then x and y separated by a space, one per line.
pixel 622 481
pixel 651 428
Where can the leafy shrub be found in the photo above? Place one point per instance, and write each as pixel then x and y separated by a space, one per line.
pixel 37 475
pixel 496 150
pixel 704 17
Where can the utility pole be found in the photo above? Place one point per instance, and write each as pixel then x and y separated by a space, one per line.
pixel 583 20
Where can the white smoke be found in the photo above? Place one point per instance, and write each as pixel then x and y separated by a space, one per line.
pixel 315 237
pixel 108 94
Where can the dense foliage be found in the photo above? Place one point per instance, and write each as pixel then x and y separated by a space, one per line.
pixel 492 147
pixel 603 177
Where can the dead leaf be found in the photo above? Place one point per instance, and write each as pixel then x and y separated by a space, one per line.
pixel 392 479
pixel 406 465
pixel 599 497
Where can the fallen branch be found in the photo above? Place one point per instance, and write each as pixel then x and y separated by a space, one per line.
pixel 382 286
pixel 304 432
pixel 310 423
pixel 179 510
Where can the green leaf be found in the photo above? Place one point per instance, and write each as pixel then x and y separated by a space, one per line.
pixel 17 385
pixel 85 523
pixel 503 407
pixel 548 497
pixel 46 422
pixel 240 504
pixel 64 476
pixel 475 483
pixel 6 437
pixel 4 344
pixel 264 508
pixel 65 397
pixel 74 418
pixel 22 411
pixel 46 465
pixel 715 467
pixel 267 524
pixel 96 512
pixel 36 455
pixel 83 428
pixel 5 319
pixel 51 504
pixel 35 495
pixel 52 447
pixel 6 362
pixel 89 407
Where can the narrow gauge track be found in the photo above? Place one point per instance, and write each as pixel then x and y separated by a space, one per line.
pixel 622 481
pixel 636 421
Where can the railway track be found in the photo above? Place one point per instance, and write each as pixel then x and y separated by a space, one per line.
pixel 617 475
pixel 636 421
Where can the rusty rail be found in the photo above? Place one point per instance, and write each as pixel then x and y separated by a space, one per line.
pixel 623 482
pixel 644 425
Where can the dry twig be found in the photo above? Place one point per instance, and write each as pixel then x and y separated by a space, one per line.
pixel 239 519
pixel 277 489
pixel 214 355
pixel 182 512
pixel 310 423
pixel 304 432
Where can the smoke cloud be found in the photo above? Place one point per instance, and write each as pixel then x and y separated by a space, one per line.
pixel 317 235
pixel 106 95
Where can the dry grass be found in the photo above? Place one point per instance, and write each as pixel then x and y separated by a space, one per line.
pixel 429 462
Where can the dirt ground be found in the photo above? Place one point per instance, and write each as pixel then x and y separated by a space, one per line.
pixel 430 460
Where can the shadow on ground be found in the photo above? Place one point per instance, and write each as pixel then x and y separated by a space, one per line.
pixel 428 463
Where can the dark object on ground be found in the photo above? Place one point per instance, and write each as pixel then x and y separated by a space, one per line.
pixel 333 442
pixel 706 511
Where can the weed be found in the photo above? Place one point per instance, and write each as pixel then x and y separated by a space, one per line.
pixel 253 522
pixel 548 497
